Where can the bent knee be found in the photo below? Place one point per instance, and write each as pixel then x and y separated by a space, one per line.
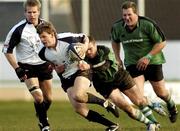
pixel 37 94
pixel 141 102
pixel 82 98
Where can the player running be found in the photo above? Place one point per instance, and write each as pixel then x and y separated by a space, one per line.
pixel 36 73
pixel 74 81
pixel 143 42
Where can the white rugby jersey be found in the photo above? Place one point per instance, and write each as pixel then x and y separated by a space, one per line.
pixel 59 56
pixel 24 37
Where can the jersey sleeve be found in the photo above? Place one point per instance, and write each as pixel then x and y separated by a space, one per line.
pixel 155 33
pixel 42 54
pixel 114 34
pixel 12 39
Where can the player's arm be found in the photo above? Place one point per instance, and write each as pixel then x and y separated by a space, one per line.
pixel 157 48
pixel 116 48
pixel 104 64
pixel 19 71
pixel 13 39
pixel 144 61
pixel 159 42
pixel 11 59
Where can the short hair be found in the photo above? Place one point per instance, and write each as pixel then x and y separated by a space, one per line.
pixel 32 3
pixel 130 4
pixel 91 39
pixel 46 27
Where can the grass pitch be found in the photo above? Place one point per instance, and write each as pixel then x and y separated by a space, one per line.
pixel 20 116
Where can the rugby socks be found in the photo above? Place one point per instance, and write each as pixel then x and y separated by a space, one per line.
pixel 148 113
pixel 139 116
pixel 95 100
pixel 170 102
pixel 96 117
pixel 41 113
pixel 47 104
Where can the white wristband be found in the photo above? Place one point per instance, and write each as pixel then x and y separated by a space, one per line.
pixel 148 56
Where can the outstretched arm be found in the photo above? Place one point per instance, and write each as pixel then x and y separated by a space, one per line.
pixel 144 61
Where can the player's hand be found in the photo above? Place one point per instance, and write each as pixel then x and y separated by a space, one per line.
pixel 51 67
pixel 83 65
pixel 21 73
pixel 120 63
pixel 59 68
pixel 142 63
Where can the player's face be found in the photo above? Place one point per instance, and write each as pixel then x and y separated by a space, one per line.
pixel 92 50
pixel 32 14
pixel 129 17
pixel 48 40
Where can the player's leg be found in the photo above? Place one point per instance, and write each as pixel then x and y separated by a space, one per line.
pixel 162 92
pixel 136 97
pixel 135 93
pixel 157 81
pixel 117 97
pixel 81 85
pixel 139 80
pixel 46 87
pixel 82 109
pixel 44 73
pixel 33 86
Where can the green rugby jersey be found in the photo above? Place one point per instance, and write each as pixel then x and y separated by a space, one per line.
pixel 104 64
pixel 139 41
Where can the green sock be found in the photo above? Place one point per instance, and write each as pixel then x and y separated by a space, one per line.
pixel 170 102
pixel 139 116
pixel 148 113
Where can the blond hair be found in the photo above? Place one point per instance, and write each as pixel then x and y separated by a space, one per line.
pixel 32 3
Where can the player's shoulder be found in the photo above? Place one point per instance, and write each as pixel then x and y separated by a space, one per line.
pixel 147 20
pixel 119 22
pixel 68 34
pixel 19 25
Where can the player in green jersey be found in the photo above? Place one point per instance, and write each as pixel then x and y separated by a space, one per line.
pixel 142 41
pixel 109 79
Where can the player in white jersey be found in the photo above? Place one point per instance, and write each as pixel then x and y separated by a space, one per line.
pixel 36 73
pixel 66 56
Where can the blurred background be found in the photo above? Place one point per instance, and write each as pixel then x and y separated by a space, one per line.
pixel 67 15
pixel 93 17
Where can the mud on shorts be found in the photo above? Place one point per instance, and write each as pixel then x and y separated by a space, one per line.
pixel 122 81
pixel 69 82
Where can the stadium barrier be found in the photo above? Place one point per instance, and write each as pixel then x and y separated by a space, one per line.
pixel 18 91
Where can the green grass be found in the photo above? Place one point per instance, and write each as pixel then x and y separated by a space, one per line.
pixel 20 116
